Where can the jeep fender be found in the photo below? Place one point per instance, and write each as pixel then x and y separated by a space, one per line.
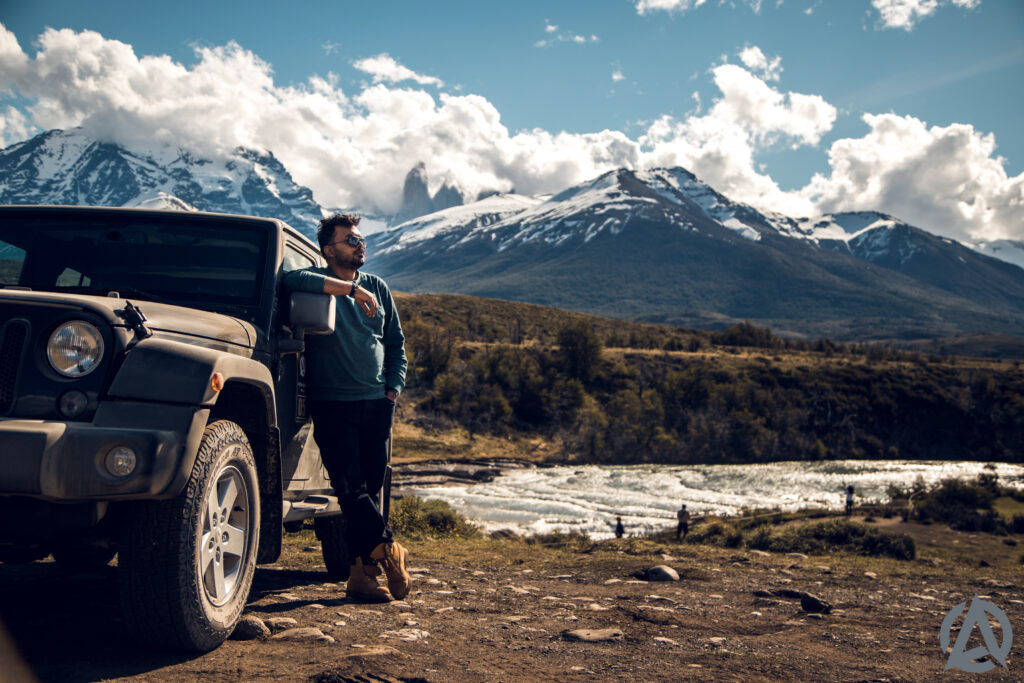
pixel 170 371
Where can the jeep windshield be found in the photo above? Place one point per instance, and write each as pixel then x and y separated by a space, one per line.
pixel 184 259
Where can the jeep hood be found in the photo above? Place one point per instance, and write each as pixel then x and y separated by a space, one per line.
pixel 162 319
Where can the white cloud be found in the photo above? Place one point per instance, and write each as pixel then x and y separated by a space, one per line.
pixel 755 60
pixel 14 127
pixel 385 69
pixel 354 149
pixel 906 13
pixel 617 75
pixel 557 36
pixel 645 6
pixel 680 6
pixel 944 179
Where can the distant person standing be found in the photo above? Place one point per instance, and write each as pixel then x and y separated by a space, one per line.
pixel 849 500
pixel 619 529
pixel 683 527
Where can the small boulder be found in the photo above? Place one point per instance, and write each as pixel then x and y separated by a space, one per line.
pixel 661 573
pixel 276 624
pixel 303 634
pixel 812 603
pixel 250 627
pixel 591 635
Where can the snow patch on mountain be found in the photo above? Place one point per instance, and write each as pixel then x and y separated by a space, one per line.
pixel 453 224
pixel 1010 251
pixel 67 167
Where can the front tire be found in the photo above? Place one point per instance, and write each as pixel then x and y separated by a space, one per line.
pixel 186 565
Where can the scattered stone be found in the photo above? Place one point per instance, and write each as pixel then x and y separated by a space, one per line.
pixel 316 605
pixel 340 623
pixel 276 624
pixel 761 553
pixel 589 635
pixel 411 622
pixel 433 582
pixel 594 607
pixel 400 604
pixel 799 556
pixel 756 614
pixel 786 572
pixel 441 610
pixel 287 596
pixel 661 573
pixel 477 572
pixel 667 641
pixel 515 589
pixel 824 569
pixel 788 593
pixel 812 603
pixel 983 563
pixel 634 581
pixel 761 593
pixel 303 634
pixel 815 616
pixel 871 575
pixel 250 627
pixel 611 581
pixel 310 549
pixel 550 597
pixel 406 634
pixel 667 557
pixel 417 570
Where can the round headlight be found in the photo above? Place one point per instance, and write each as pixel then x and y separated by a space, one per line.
pixel 75 348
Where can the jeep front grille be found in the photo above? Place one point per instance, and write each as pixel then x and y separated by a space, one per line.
pixel 12 342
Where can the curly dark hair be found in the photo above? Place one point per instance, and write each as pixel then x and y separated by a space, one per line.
pixel 325 233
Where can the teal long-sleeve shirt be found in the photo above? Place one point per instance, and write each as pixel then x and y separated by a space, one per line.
pixel 364 356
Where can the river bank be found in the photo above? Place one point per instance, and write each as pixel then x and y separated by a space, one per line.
pixel 486 609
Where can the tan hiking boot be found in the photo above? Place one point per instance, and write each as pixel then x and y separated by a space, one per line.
pixel 391 556
pixel 363 585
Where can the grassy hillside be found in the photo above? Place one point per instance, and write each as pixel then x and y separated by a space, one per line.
pixel 492 378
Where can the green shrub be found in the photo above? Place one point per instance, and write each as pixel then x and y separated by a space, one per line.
pixel 715 532
pixel 415 518
pixel 834 534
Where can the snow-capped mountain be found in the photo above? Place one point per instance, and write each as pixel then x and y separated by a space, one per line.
pixel 68 167
pixel 662 245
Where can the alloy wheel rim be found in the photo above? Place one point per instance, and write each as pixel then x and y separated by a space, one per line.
pixel 224 537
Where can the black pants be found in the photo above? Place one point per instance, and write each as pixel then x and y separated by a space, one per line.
pixel 353 440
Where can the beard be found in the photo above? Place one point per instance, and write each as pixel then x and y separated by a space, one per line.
pixel 355 262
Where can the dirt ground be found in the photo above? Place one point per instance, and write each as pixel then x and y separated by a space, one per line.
pixel 499 610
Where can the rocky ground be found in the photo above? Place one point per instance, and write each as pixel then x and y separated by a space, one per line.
pixel 505 610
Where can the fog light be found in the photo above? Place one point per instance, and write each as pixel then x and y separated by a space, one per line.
pixel 73 403
pixel 121 461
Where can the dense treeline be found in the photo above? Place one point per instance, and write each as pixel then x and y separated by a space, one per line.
pixel 610 391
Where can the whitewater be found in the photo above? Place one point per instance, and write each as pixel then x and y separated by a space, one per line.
pixel 587 498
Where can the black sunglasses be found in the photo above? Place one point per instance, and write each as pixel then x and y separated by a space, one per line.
pixel 351 241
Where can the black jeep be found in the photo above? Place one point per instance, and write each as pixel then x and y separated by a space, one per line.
pixel 152 405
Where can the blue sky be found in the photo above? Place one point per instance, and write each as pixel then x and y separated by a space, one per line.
pixel 767 100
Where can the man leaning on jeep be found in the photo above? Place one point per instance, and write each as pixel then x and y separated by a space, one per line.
pixel 354 377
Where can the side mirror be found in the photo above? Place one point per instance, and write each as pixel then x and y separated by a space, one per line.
pixel 308 313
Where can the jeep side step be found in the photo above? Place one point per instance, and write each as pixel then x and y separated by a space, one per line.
pixel 309 507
